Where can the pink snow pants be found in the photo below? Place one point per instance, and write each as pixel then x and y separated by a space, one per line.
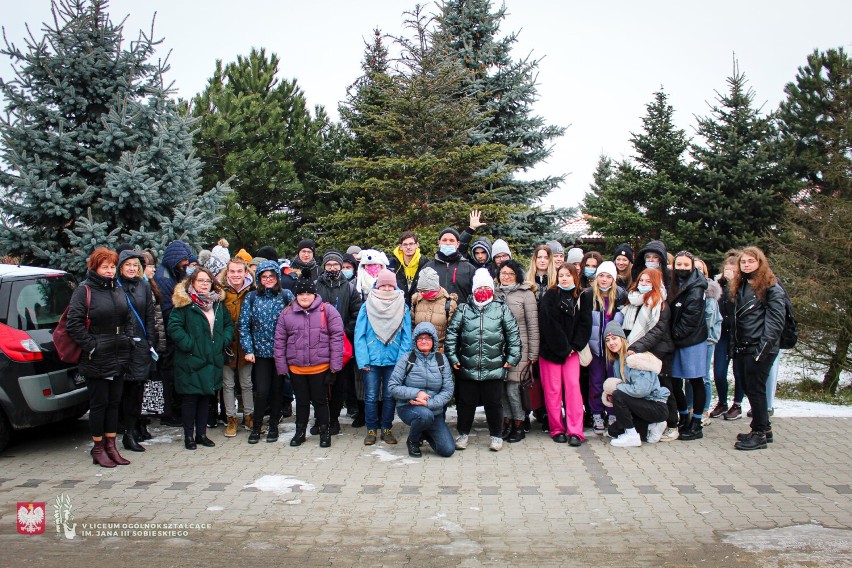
pixel 561 383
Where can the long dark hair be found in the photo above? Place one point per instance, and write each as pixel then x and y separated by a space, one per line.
pixel 575 293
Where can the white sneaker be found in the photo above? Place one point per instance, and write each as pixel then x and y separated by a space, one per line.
pixel 461 441
pixel 705 419
pixel 496 444
pixel 627 440
pixel 598 424
pixel 655 432
pixel 670 435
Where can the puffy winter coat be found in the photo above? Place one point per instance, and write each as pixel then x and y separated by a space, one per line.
pixel 370 351
pixel 482 340
pixel 309 337
pixel 199 353
pixel 522 302
pixel 757 325
pixel 438 312
pixel 106 344
pixel 455 274
pixel 167 276
pixel 425 375
pixel 600 318
pixel 259 316
pixel 565 325
pixel 689 327
pixel 233 300
pixel 712 312
pixel 341 294
pixel 138 292
pixel 641 381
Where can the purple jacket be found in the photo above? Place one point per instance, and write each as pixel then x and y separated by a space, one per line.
pixel 309 337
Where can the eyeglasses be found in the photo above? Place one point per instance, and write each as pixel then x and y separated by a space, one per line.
pixel 332 266
pixel 203 281
pixel 268 277
pixel 408 245
pixel 425 338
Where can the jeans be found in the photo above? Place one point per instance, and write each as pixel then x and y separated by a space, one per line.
pixel 377 378
pixel 422 421
pixel 772 382
pixel 629 409
pixel 243 370
pixel 720 371
pixel 755 375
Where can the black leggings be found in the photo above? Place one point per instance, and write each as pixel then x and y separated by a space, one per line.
pixel 471 394
pixel 311 389
pixel 699 397
pixel 339 390
pixel 668 382
pixel 194 412
pixel 267 390
pixel 104 401
pixel 131 403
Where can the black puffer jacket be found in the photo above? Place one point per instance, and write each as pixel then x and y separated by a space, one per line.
pixel 726 307
pixel 455 274
pixel 756 326
pixel 689 325
pixel 341 294
pixel 106 344
pixel 138 291
pixel 565 325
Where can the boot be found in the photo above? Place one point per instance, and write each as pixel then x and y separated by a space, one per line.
pixel 682 423
pixel 693 432
pixel 755 441
pixel 254 435
pixel 231 428
pixel 99 455
pixel 507 429
pixel 299 437
pixel 112 451
pixel 272 434
pixel 144 434
pixel 413 448
pixel 130 442
pixel 314 429
pixel 334 427
pixel 516 432
pixel 325 437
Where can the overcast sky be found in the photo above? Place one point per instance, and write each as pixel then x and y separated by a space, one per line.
pixel 602 61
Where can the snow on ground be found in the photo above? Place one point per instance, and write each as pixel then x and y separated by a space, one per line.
pixel 386 456
pixel 280 484
pixel 802 409
pixel 793 369
pixel 798 545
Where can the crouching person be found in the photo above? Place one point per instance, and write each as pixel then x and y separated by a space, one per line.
pixel 422 385
pixel 638 399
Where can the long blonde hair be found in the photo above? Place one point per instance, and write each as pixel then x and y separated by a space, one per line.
pixel 621 355
pixel 551 269
pixel 598 298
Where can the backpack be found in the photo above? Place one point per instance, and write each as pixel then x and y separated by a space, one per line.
pixel 412 358
pixel 790 333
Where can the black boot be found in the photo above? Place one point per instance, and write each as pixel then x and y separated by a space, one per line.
pixel 413 448
pixel 299 437
pixel 507 429
pixel 254 435
pixel 334 427
pixel 693 432
pixel 142 425
pixel 755 441
pixel 325 436
pixel 682 423
pixel 516 432
pixel 272 434
pixel 130 442
pixel 314 429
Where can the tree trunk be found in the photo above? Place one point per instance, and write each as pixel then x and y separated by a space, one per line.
pixel 838 362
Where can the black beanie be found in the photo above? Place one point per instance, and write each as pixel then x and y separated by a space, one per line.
pixel 268 253
pixel 623 250
pixel 448 230
pixel 306 244
pixel 305 284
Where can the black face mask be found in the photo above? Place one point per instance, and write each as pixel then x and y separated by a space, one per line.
pixel 682 273
pixel 333 274
pixel 180 273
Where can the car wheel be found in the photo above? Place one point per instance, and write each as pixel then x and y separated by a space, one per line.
pixel 5 431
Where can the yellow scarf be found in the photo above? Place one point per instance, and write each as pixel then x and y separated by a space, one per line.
pixel 410 269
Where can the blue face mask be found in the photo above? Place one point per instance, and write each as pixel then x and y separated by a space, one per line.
pixel 643 289
pixel 347 273
pixel 566 288
pixel 590 272
pixel 604 288
pixel 651 264
pixel 190 270
pixel 448 250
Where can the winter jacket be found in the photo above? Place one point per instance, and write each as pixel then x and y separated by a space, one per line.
pixel 726 307
pixel 138 292
pixel 259 316
pixel 658 340
pixel 640 382
pixel 341 294
pixel 455 274
pixel 397 267
pixel 425 375
pixel 167 276
pixel 106 344
pixel 309 337
pixel 296 267
pixel 370 351
pixel 233 300
pixel 565 325
pixel 482 340
pixel 523 305
pixel 199 353
pixel 757 325
pixel 600 318
pixel 688 324
pixel 159 324
pixel 639 261
pixel 712 314
pixel 438 312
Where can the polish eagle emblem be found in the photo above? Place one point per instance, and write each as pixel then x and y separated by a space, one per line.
pixel 31 518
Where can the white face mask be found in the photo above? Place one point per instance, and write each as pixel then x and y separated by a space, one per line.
pixel 652 264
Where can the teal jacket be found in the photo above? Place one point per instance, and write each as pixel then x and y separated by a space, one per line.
pixel 482 340
pixel 199 354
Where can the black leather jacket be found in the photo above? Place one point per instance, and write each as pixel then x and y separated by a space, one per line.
pixel 689 326
pixel 756 327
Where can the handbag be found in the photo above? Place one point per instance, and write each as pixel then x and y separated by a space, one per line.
pixel 66 348
pixel 347 345
pixel 585 356
pixel 524 385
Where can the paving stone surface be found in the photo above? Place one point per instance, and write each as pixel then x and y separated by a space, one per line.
pixel 534 502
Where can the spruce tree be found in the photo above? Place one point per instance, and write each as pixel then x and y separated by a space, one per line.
pixel 505 88
pixel 96 149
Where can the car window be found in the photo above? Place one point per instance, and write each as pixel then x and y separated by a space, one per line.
pixel 39 303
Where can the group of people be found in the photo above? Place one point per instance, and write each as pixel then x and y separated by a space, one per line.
pixel 627 347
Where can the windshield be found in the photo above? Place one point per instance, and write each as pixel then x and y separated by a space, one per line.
pixel 39 303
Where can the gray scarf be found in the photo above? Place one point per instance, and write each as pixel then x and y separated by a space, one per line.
pixel 640 316
pixel 385 310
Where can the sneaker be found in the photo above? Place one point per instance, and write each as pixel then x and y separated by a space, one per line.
pixel 655 432
pixel 388 437
pixel 461 441
pixel 705 419
pixel 718 410
pixel 231 428
pixel 598 424
pixel 575 441
pixel 627 440
pixel 670 435
pixel 496 444
pixel 370 438
pixel 734 413
pixel 744 437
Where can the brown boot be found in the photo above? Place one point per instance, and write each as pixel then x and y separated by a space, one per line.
pixel 112 451
pixel 99 456
pixel 231 428
pixel 248 421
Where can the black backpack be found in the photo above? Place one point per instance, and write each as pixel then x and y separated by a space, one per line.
pixel 412 358
pixel 790 334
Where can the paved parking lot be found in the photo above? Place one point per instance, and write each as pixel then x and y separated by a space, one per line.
pixel 536 503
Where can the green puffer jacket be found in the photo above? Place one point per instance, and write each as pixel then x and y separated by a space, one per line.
pixel 199 354
pixel 482 340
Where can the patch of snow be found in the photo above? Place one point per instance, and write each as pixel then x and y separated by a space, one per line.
pixel 294 502
pixel 802 409
pixel 215 508
pixel 384 455
pixel 280 484
pixel 460 545
pixel 163 438
pixel 793 369
pixel 475 509
pixel 797 545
